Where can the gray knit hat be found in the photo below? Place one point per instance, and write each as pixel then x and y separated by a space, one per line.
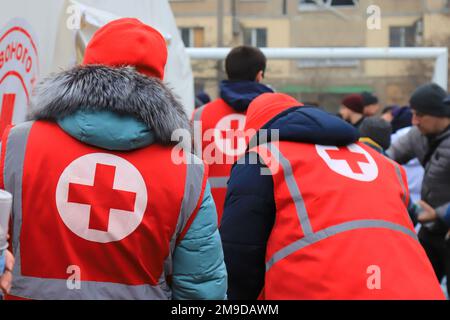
pixel 378 130
pixel 429 99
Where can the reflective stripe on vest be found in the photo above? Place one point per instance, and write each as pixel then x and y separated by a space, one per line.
pixel 218 182
pixel 400 180
pixel 198 114
pixel 332 231
pixel 44 288
pixel 312 237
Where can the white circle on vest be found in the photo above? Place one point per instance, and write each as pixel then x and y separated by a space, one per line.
pixel 101 197
pixel 351 161
pixel 229 135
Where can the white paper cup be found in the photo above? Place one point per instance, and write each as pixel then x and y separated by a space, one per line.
pixel 5 212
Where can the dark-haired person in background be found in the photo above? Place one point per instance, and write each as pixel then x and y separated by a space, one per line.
pixel 201 99
pixel 245 67
pixel 370 103
pixel 352 109
pixel 399 117
pixel 402 118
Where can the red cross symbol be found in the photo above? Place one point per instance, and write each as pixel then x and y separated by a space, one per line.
pixel 352 158
pixel 102 197
pixel 234 133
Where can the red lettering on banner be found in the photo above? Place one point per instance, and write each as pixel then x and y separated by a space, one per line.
pixel 19 56
pixel 25 55
pixel 7 111
pixel 13 49
pixel 18 52
pixel 29 65
pixel 7 51
pixel 102 197
pixel 18 68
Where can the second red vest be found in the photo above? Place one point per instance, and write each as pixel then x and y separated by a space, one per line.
pixel 342 230
pixel 222 142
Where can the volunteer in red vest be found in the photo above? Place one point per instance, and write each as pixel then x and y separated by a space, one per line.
pixel 222 121
pixel 101 210
pixel 315 214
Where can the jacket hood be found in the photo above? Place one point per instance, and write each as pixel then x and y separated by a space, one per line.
pixel 121 91
pixel 239 94
pixel 100 129
pixel 299 123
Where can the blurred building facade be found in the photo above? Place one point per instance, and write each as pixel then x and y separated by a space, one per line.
pixel 319 23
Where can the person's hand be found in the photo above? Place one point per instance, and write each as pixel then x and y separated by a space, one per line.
pixel 7 276
pixel 427 214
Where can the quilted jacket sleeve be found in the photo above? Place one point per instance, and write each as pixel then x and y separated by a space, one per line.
pixel 199 271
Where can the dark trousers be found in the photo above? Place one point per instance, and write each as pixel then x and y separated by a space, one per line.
pixel 438 251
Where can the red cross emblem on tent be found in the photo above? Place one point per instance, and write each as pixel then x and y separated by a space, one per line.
pixel 101 197
pixel 230 136
pixel 351 161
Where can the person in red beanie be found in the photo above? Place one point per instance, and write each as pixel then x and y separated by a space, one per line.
pixel 100 209
pixel 352 109
pixel 303 217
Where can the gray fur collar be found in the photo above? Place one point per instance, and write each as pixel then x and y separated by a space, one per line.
pixel 121 90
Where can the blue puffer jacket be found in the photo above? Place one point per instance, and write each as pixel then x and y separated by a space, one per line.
pixel 250 210
pixel 201 246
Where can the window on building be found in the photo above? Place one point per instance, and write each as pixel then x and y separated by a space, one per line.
pixel 329 2
pixel 256 37
pixel 193 37
pixel 402 36
pixel 343 2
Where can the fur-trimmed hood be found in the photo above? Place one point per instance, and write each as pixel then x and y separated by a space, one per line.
pixel 120 90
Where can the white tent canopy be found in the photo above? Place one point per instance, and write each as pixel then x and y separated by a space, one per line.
pixel 58 42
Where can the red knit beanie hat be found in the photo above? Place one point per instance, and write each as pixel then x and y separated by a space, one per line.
pixel 267 106
pixel 354 102
pixel 128 42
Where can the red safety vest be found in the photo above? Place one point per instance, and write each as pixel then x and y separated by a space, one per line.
pixel 94 224
pixel 342 230
pixel 223 142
